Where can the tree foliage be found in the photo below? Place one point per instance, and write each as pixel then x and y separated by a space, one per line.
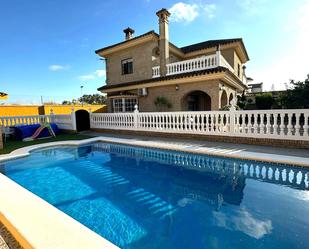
pixel 264 101
pixel 298 96
pixel 242 101
pixel 91 99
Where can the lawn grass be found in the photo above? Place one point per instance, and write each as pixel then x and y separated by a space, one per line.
pixel 11 145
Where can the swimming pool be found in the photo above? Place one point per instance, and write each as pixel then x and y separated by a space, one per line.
pixel 150 198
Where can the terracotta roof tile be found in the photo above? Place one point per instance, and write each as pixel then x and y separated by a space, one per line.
pixel 208 44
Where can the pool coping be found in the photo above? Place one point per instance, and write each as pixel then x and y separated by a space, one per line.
pixel 55 229
pixel 195 149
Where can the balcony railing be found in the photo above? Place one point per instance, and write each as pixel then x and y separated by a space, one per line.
pixel 196 64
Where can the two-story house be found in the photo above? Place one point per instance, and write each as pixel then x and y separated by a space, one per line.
pixel 198 77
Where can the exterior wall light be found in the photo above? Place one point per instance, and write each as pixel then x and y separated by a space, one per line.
pixel 177 87
pixel 222 87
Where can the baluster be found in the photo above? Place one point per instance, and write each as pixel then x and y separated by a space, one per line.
pixel 194 123
pixel 155 122
pixel 297 125
pixel 207 116
pixel 255 123
pixel 282 126
pixel 249 124
pixel 275 125
pixel 221 125
pixel 236 127
pixel 290 124
pixel 306 125
pixel 211 122
pixel 267 123
pixel 244 124
pixel 186 121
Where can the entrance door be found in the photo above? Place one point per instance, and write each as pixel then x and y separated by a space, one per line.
pixel 82 120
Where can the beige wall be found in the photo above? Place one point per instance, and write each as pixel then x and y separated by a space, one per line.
pixel 146 104
pixel 142 63
pixel 228 54
pixel 233 59
pixel 237 62
pixel 144 58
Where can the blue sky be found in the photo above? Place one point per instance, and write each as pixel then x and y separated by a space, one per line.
pixel 47 47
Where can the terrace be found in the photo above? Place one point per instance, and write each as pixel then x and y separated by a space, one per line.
pixel 196 64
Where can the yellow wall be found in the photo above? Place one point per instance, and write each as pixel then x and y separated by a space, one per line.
pixel 20 110
pixel 65 109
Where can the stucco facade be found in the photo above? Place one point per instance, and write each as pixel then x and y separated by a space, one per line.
pixel 141 55
pixel 212 71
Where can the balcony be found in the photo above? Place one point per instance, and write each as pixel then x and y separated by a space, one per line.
pixel 196 64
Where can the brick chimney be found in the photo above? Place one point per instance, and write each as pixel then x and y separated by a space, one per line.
pixel 163 15
pixel 129 33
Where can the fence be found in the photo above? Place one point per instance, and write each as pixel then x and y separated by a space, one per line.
pixel 63 121
pixel 276 124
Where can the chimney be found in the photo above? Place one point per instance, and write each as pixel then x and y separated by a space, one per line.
pixel 163 15
pixel 129 33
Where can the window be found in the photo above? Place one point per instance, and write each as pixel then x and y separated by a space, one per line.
pixel 238 70
pixel 129 104
pixel 117 104
pixel 127 66
pixel 124 104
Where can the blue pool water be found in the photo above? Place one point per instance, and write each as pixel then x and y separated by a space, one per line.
pixel 147 198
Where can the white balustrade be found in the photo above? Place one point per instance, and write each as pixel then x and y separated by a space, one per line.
pixel 64 122
pixel 156 72
pixel 196 64
pixel 200 63
pixel 276 124
pixel 8 121
pixel 121 121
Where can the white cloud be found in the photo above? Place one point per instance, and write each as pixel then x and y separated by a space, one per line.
pixel 243 221
pixel 86 77
pixel 97 74
pixel 182 12
pixel 209 10
pixel 56 67
pixel 252 7
pixel 100 73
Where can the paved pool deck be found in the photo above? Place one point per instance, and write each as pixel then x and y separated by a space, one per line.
pixel 292 156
